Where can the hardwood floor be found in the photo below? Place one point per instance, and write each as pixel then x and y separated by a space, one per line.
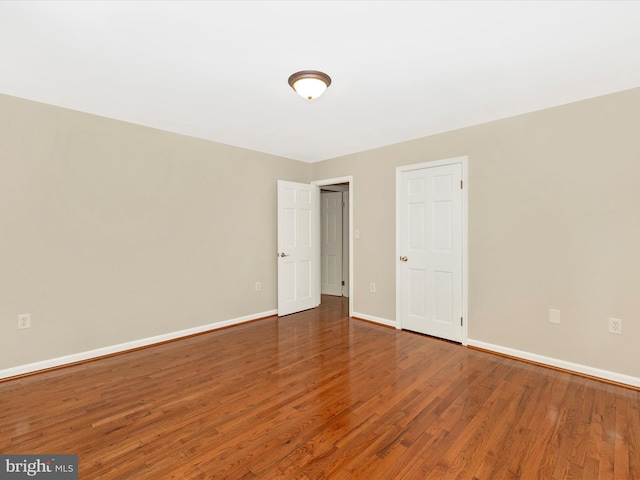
pixel 317 395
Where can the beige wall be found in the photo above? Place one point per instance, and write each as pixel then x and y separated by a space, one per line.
pixel 112 232
pixel 554 222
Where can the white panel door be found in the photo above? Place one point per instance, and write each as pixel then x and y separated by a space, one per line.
pixel 431 251
pixel 297 247
pixel 331 243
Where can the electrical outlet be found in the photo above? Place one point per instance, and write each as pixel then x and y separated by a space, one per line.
pixel 24 321
pixel 554 316
pixel 372 287
pixel 615 326
pixel 356 233
pixel 258 287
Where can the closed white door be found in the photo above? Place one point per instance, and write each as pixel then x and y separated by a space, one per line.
pixel 297 247
pixel 431 251
pixel 331 243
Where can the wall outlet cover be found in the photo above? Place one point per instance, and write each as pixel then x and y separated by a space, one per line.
pixel 615 326
pixel 24 321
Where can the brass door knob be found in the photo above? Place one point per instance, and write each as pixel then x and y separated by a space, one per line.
pixel 403 258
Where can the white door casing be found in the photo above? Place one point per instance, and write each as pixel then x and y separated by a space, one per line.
pixel 350 222
pixel 297 247
pixel 331 243
pixel 346 241
pixel 431 240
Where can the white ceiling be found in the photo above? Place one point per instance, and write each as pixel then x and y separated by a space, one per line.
pixel 400 70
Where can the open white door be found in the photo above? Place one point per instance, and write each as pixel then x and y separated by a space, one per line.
pixel 297 247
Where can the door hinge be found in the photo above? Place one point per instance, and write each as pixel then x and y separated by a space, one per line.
pixel 343 205
pixel 460 184
pixel 343 283
pixel 460 321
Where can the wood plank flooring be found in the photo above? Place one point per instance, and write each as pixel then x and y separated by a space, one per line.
pixel 317 395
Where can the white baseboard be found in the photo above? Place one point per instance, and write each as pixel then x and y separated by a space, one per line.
pixel 122 347
pixel 371 318
pixel 554 362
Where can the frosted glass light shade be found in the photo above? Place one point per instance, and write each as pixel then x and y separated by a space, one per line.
pixel 309 84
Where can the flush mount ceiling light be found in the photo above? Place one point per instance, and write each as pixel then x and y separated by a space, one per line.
pixel 309 84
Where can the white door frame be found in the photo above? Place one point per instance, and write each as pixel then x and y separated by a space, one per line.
pixel 332 181
pixel 465 245
pixel 346 241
